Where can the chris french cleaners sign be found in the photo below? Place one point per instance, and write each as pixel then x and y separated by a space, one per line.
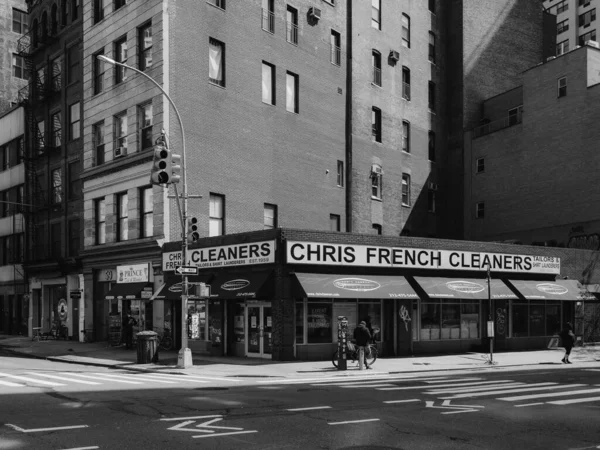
pixel 318 253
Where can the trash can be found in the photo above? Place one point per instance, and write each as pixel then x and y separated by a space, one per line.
pixel 147 347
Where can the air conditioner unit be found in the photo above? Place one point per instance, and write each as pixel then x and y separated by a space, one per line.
pixel 120 151
pixel 591 43
pixel 433 186
pixel 394 55
pixel 315 13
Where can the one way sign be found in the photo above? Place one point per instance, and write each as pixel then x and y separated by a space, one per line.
pixel 187 270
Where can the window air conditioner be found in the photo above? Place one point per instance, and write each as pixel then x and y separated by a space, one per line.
pixel 315 13
pixel 433 186
pixel 591 43
pixel 120 151
pixel 394 55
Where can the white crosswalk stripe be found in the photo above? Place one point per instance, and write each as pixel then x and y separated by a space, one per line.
pixel 489 387
pixel 518 398
pixel 387 379
pixel 31 380
pixel 452 385
pixel 549 386
pixel 55 377
pixel 102 378
pixel 140 378
pixel 8 383
pixel 575 400
pixel 173 378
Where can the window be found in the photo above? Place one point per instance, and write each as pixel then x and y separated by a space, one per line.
pixel 587 18
pixel 377 228
pixel 145 126
pixel 431 155
pixel 55 240
pixel 56 80
pixel 100 209
pixel 120 56
pixel 334 222
pixel 73 237
pixel 98 75
pixel 431 96
pixel 268 83
pixel 270 217
pixel 406 189
pixel 63 13
pixel 405 136
pixel 4 204
pixel 120 130
pixel 98 11
pixel 376 62
pixel 319 321
pixel 340 173
pixel 74 186
pixel 217 3
pixel 535 318
pixel 562 6
pixel 376 181
pixel 291 92
pixel 55 130
pixel 4 157
pixel 73 59
pixel 480 164
pixel 216 226
pixel 145 46
pixel 562 47
pixel 216 62
pixel 292 25
pixel 336 54
pixel 119 4
pixel 40 140
pixel 406 30
pixel 98 142
pixel 268 15
pixel 19 21
pixel 57 193
pixel 431 201
pixel 376 124
pixel 515 115
pixel 18 67
pixel 146 210
pixel 122 216
pixel 584 3
pixel 432 47
pixel 54 20
pixel 562 87
pixel 20 198
pixel 479 210
pixel 74 9
pixel 406 83
pixel 448 319
pixel 563 26
pixel 376 14
pixel 75 122
pixel 432 6
pixel 589 36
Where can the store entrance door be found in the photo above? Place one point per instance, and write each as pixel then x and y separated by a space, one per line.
pixel 258 330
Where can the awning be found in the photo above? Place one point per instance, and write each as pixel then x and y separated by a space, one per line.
pixel 171 288
pixel 246 285
pixel 569 290
pixel 130 291
pixel 469 288
pixel 353 286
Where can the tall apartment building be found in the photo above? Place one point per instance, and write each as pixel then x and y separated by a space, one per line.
pixel 575 22
pixel 14 22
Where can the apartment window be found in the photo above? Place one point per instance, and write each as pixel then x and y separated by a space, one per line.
pixel 98 11
pixel 479 210
pixel 432 47
pixel 56 81
pixel 216 62
pixel 98 142
pixel 122 216
pixel 432 6
pixel 55 240
pixel 121 56
pixel 145 46
pixel 336 53
pixel 145 125
pixel 376 14
pixel 376 124
pixel 562 6
pixel 41 136
pixel 217 3
pixel 563 26
pixel 334 222
pixel 119 4
pixel 376 62
pixel 120 131
pixel 74 121
pixel 589 36
pixel 270 216
pixel 147 211
pixel 100 209
pixel 378 229
pixel 19 21
pixel 515 115
pixel 57 192
pixel 584 3
pixel 562 47
pixel 405 136
pixel 340 173
pixel 480 165
pixel 562 87
pixel 216 225
pixel 431 201
pixel 406 30
pixel 98 73
pixel 63 13
pixel 74 186
pixel 18 67
pixel 431 96
pixel 292 92
pixel 55 130
pixel 268 15
pixel 432 146
pixel 4 158
pixel 406 83
pixel 20 198
pixel 376 181
pixel 268 83
pixel 587 18
pixel 4 205
pixel 74 238
pixel 292 25
pixel 405 189
pixel 74 9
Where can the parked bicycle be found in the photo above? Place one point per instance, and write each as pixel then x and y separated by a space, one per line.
pixel 352 354
pixel 165 341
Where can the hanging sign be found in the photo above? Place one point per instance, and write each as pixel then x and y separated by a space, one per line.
pixel 133 273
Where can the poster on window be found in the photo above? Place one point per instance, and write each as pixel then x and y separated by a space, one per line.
pixel 349 311
pixel 319 323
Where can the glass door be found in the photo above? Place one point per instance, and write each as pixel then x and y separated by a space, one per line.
pixel 259 330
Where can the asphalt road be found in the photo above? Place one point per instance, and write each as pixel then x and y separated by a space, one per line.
pixel 112 409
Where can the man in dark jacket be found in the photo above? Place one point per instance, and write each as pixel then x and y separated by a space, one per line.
pixel 362 337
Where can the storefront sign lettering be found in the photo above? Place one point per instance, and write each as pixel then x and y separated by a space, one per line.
pixel 356 284
pixel 465 287
pixel 132 273
pixel 549 288
pixel 228 255
pixel 234 285
pixel 413 258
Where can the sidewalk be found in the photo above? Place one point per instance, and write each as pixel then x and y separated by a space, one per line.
pixel 99 354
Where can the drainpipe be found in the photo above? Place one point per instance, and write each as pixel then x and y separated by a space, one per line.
pixel 348 131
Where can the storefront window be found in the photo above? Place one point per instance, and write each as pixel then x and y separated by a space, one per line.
pixel 371 314
pixel 450 320
pixel 430 321
pixel 552 319
pixel 319 323
pixel 299 322
pixel 537 321
pixel 469 321
pixel 238 322
pixel 197 319
pixel 520 319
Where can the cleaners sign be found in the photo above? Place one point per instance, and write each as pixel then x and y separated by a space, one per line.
pixel 318 253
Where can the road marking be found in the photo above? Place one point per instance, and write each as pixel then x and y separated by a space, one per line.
pixel 511 391
pixel 353 421
pixel 8 383
pixel 309 409
pixel 460 408
pixel 224 434
pixel 575 400
pixel 490 387
pixel 206 427
pixel 455 380
pixel 37 430
pixel 62 378
pixel 378 380
pixel 101 378
pixel 552 394
pixel 200 378
pixel 529 404
pixel 31 380
pixel 403 401
pixel 152 379
pixel 338 378
pixel 356 386
pixel 429 388
pixel 83 448
pixel 174 378
pixel 173 419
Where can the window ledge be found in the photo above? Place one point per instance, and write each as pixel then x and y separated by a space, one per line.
pixel 268 104
pixel 404 205
pixel 215 6
pixel 406 153
pixel 377 199
pixel 216 85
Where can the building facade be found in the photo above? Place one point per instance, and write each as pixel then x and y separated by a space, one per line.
pixel 575 22
pixel 14 22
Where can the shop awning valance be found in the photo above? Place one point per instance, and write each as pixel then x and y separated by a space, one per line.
pixel 566 290
pixel 315 285
pixel 130 291
pixel 171 288
pixel 245 285
pixel 467 288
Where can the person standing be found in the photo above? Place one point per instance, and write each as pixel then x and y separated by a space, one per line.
pixel 568 341
pixel 362 337
pixel 130 322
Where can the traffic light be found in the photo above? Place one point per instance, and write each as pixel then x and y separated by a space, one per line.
pixel 192 233
pixel 175 168
pixel 161 166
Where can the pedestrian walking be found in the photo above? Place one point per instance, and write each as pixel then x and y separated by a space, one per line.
pixel 568 341
pixel 362 337
pixel 130 322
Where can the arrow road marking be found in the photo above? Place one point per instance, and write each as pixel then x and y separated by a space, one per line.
pixel 206 427
pixel 460 408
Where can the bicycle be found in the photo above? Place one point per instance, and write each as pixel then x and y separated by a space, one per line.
pixel 371 352
pixel 165 341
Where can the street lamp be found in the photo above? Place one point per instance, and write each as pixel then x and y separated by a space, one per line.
pixel 184 359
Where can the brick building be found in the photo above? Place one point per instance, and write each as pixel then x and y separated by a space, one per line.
pixel 14 22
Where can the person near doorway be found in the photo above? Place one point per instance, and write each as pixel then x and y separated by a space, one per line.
pixel 363 338
pixel 568 341
pixel 130 322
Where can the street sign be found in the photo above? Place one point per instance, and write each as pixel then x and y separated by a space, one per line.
pixel 188 270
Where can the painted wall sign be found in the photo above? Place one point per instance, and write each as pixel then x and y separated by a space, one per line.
pixel 228 255
pixel 133 273
pixel 319 253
